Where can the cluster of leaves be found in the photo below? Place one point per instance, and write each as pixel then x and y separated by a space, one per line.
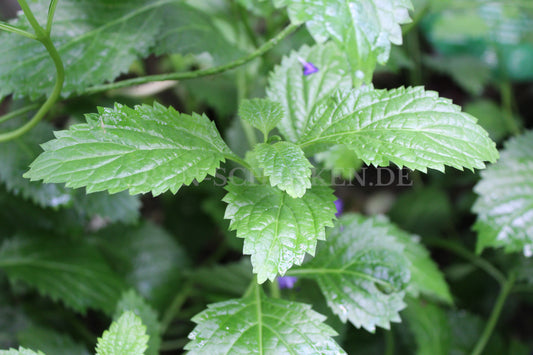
pixel 90 251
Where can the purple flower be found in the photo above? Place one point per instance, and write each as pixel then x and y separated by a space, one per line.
pixel 340 207
pixel 309 68
pixel 286 281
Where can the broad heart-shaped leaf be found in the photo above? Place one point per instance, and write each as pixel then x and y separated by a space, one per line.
pixel 297 93
pixel 131 301
pixel 115 32
pixel 406 126
pixel 147 148
pixel 188 30
pixel 278 229
pixel 126 336
pixel 362 272
pixel 262 114
pixel 71 271
pixel 505 203
pixel 286 166
pixel 257 324
pixel 371 23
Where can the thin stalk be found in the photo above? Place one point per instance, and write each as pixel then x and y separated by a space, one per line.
pixel 175 307
pixel 274 289
pixel 498 306
pixel 389 342
pixel 60 78
pixel 13 29
pixel 468 255
pixel 197 73
pixel 18 112
pixel 51 12
pixel 39 31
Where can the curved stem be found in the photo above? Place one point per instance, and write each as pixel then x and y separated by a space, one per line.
pixel 18 112
pixel 39 31
pixel 468 255
pixel 13 29
pixel 197 73
pixel 60 78
pixel 500 301
pixel 175 307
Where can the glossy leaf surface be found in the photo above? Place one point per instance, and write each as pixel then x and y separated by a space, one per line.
pixel 126 336
pixel 408 127
pixel 260 325
pixel 148 148
pixel 278 230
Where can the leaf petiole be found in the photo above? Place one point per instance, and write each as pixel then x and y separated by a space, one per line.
pixel 13 29
pixel 51 12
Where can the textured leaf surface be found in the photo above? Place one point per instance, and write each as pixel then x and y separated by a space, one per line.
pixel 362 272
pixel 286 166
pixel 297 93
pixel 115 32
pixel 259 325
pixel 505 203
pixel 188 30
pixel 131 301
pixel 75 273
pixel 429 324
pixel 148 148
pixel 408 127
pixel 126 336
pixel 50 341
pixel 340 160
pixel 374 23
pixel 262 114
pixel 20 351
pixel 277 229
pixel 426 277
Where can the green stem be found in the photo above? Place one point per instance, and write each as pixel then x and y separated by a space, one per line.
pixel 39 31
pixel 506 92
pixel 13 29
pixel 251 287
pixel 51 12
pixel 498 306
pixel 197 73
pixel 468 255
pixel 18 112
pixel 60 78
pixel 175 306
pixel 389 342
pixel 274 289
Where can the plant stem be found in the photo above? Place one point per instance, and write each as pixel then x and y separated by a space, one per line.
pixel 175 306
pixel 51 12
pixel 13 29
pixel 18 112
pixel 389 342
pixel 39 31
pixel 197 73
pixel 274 289
pixel 500 301
pixel 468 255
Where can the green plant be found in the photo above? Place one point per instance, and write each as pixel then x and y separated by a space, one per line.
pixel 316 110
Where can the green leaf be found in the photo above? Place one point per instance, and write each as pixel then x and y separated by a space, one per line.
pixel 262 114
pixel 20 351
pixel 147 256
pixel 120 207
pixel 16 155
pixel 131 301
pixel 277 229
pixel 126 336
pixel 408 127
pixel 430 326
pixel 371 23
pixel 362 272
pixel 426 277
pixel 491 118
pixel 71 271
pixel 116 34
pixel 286 166
pixel 299 94
pixel 505 203
pixel 50 341
pixel 188 30
pixel 148 148
pixel 257 324
pixel 341 161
